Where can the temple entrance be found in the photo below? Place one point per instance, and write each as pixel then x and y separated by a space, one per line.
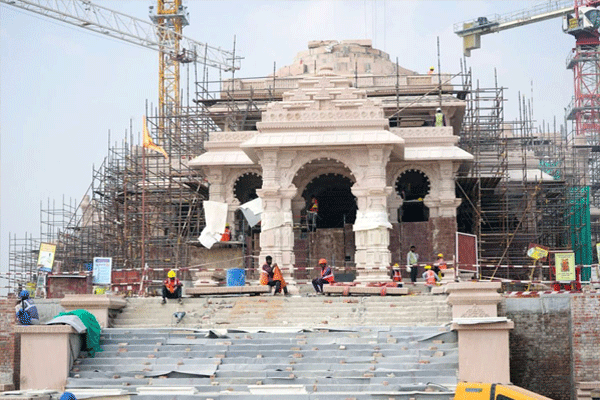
pixel 337 204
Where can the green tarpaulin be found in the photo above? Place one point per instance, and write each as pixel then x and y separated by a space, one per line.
pixel 92 337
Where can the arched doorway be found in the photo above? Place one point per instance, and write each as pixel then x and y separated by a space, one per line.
pixel 412 186
pixel 337 204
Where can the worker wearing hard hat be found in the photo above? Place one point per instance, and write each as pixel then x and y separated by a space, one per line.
pixel 430 277
pixel 440 265
pixel 440 119
pixel 27 312
pixel 226 236
pixel 325 278
pixel 431 69
pixel 171 288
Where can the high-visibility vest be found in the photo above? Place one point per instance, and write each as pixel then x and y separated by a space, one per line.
pixel 397 277
pixel 327 274
pixel 439 119
pixel 430 277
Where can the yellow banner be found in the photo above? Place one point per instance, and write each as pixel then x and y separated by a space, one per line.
pixel 564 263
pixel 46 257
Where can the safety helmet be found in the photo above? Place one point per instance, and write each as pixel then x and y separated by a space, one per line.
pixel 24 294
pixel 396 265
pixel 431 68
pixel 322 261
pixel 440 255
pixel 226 225
pixel 428 267
pixel 171 274
pixel 438 109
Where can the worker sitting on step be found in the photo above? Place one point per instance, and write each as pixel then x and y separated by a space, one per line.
pixel 226 236
pixel 325 278
pixel 172 288
pixel 27 312
pixel 271 275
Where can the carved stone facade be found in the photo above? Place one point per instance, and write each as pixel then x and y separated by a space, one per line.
pixel 327 126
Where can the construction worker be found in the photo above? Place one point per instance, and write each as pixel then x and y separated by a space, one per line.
pixel 312 214
pixel 27 312
pixel 226 236
pixel 440 119
pixel 396 274
pixel 430 72
pixel 271 275
pixel 68 396
pixel 440 265
pixel 430 277
pixel 325 278
pixel 412 258
pixel 172 288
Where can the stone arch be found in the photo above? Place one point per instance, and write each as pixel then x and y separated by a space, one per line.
pixel 304 159
pixel 326 178
pixel 233 180
pixel 413 185
pixel 245 186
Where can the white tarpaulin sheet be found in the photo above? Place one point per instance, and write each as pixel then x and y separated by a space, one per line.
pixel 275 220
pixel 252 211
pixel 215 214
pixel 371 220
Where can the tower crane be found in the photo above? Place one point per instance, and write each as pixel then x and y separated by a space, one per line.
pixel 581 19
pixel 164 35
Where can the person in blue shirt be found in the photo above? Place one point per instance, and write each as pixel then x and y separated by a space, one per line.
pixel 27 313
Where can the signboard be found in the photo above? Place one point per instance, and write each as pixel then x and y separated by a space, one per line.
pixel 564 264
pixel 46 257
pixel 102 270
pixel 537 251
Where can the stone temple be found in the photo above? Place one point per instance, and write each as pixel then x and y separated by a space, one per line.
pixel 355 130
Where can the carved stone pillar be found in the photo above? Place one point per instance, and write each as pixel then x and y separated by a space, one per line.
pixel 372 236
pixel 277 235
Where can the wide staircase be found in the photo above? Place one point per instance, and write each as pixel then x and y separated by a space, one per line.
pixel 276 348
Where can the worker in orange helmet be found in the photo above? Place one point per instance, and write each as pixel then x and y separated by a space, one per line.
pixel 171 288
pixel 430 277
pixel 325 278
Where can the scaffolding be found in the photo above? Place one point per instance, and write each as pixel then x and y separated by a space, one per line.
pixel 143 209
pixel 525 185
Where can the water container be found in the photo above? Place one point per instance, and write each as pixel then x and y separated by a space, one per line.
pixel 236 277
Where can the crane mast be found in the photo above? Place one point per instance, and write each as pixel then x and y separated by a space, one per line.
pixel 163 35
pixel 171 16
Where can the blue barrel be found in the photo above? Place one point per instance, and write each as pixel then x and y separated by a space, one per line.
pixel 236 277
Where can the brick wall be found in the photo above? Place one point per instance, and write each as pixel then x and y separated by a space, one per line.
pixel 585 326
pixel 9 345
pixel 540 345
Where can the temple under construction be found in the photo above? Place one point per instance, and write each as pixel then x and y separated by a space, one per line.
pixel 525 182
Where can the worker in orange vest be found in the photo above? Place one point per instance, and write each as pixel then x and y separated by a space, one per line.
pixel 172 288
pixel 226 236
pixel 272 276
pixel 430 277
pixel 396 274
pixel 325 278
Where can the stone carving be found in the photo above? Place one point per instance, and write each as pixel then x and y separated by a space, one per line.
pixel 475 312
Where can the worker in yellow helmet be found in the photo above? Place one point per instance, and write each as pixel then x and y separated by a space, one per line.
pixel 431 69
pixel 172 288
pixel 430 277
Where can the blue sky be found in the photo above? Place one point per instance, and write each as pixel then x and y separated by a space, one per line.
pixel 63 89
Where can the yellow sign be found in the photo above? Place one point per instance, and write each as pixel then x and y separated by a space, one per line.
pixel 564 264
pixel 536 252
pixel 46 257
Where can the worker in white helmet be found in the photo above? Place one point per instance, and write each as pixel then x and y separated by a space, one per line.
pixel 440 119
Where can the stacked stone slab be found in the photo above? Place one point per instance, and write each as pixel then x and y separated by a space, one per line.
pixel 344 363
